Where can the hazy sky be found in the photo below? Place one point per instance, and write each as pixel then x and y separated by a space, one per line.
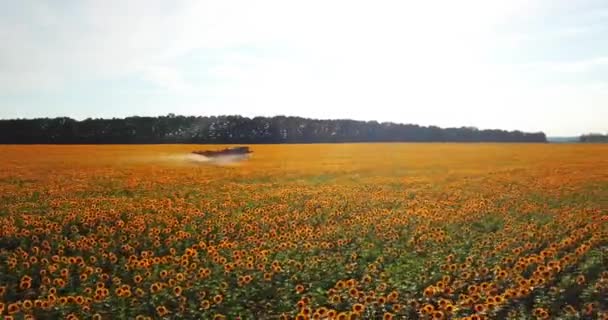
pixel 513 64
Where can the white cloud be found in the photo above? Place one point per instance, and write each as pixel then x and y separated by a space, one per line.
pixel 109 38
pixel 572 66
pixel 168 79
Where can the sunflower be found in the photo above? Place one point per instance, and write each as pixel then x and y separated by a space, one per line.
pixel 321 311
pixel 267 276
pixel 306 311
pixel 353 316
pixel 523 292
pixel 541 313
pixel 358 308
pixel 248 278
pixel 137 279
pixel 335 299
pixel 59 282
pixel 13 308
pixel 71 316
pixel 177 290
pixel 342 316
pixel 569 309
pixel 340 284
pixel 218 298
pixel 301 304
pixel 155 287
pixel 351 283
pixel 396 307
pixel 127 293
pixel 449 308
pixel 589 308
pixel 299 289
pixel 162 311
pixel 428 308
pixel 24 285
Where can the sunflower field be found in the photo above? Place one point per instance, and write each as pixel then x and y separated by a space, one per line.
pixel 342 231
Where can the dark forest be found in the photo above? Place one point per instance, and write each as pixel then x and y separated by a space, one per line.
pixel 237 129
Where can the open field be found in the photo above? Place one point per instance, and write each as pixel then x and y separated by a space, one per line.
pixel 369 231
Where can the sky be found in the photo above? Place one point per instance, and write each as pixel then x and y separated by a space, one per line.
pixel 531 65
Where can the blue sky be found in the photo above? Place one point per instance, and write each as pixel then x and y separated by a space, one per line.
pixel 530 65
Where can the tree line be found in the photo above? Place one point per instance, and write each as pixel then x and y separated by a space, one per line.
pixel 238 129
pixel 594 138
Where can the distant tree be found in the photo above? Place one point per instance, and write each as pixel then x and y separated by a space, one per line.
pixel 594 138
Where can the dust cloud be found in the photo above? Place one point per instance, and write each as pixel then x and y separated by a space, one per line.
pixel 224 160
